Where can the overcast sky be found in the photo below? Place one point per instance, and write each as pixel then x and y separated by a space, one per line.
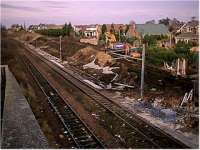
pixel 92 12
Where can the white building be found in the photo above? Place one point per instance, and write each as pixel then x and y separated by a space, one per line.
pixel 186 37
pixel 88 31
pixel 91 31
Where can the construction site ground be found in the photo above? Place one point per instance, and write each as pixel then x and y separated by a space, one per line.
pixel 99 68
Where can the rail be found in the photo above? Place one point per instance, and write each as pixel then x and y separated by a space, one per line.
pixel 81 135
pixel 150 133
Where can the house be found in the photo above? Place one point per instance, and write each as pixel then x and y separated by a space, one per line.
pixel 131 30
pixel 87 31
pixel 189 27
pixel 16 27
pixel 137 30
pixel 41 26
pixel 188 32
pixel 151 29
pixel 91 31
pixel 186 37
pixel 32 28
pixel 78 28
pixel 44 26
pixel 37 27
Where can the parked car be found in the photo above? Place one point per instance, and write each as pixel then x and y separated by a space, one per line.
pixel 118 46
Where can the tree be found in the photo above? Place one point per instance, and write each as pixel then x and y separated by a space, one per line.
pixel 182 49
pixel 127 28
pixel 103 29
pixel 149 40
pixel 130 40
pixel 121 30
pixel 70 29
pixel 164 21
pixel 65 29
pixel 171 28
pixel 113 28
pixel 157 56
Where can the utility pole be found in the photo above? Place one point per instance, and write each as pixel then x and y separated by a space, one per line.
pixel 142 72
pixel 60 49
pixel 119 37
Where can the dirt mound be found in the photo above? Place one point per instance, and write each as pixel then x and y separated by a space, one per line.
pixel 103 58
pixel 29 37
pixel 89 53
pixel 85 55
pixel 39 41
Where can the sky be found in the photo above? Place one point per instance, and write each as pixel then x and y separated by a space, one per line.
pixel 94 12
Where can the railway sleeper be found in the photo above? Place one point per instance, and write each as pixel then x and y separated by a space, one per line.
pixel 66 117
pixel 84 137
pixel 89 145
pixel 68 113
pixel 74 123
pixel 81 133
pixel 74 127
pixel 78 131
pixel 85 140
pixel 73 120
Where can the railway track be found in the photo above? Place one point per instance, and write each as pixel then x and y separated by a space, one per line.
pixel 79 134
pixel 145 135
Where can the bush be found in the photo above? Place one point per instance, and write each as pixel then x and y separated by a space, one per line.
pixel 130 40
pixel 66 30
pixel 193 58
pixel 51 32
pixel 182 48
pixel 158 56
pixel 151 40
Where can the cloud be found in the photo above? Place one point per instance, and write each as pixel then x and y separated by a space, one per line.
pixel 55 4
pixel 19 7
